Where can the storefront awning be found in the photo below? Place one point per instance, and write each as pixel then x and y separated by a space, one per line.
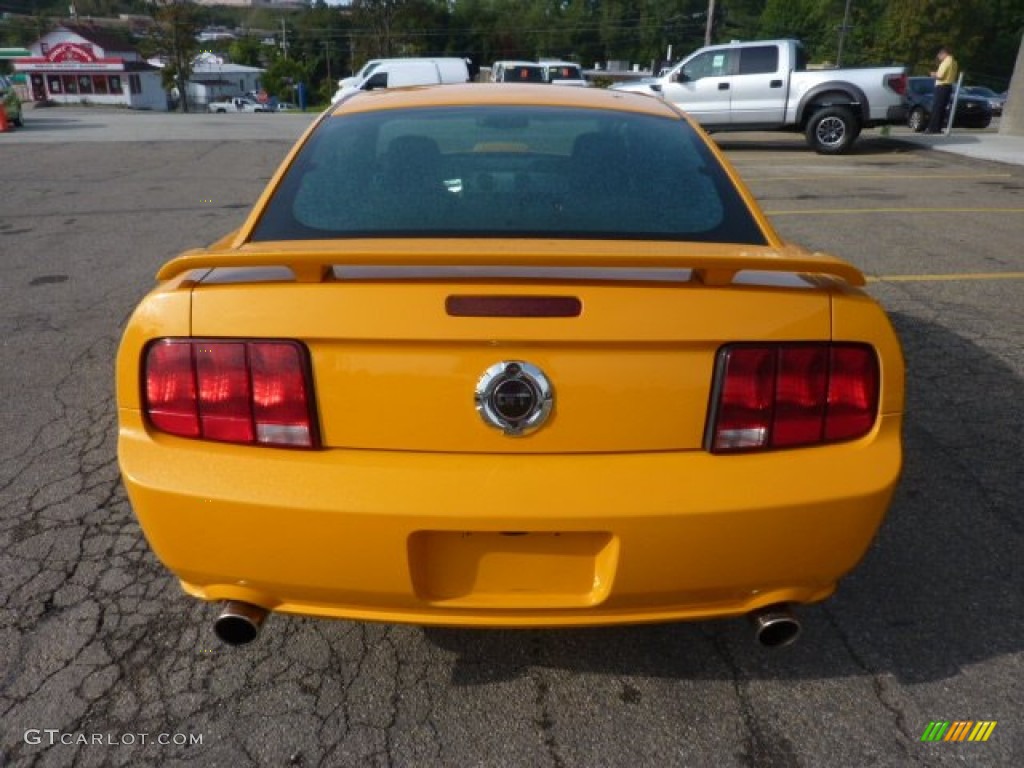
pixel 14 53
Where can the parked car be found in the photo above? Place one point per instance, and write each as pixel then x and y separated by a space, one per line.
pixel 11 102
pixel 765 85
pixel 995 100
pixel 517 72
pixel 285 106
pixel 456 368
pixel 971 111
pixel 563 73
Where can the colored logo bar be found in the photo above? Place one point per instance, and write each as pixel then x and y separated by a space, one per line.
pixel 958 730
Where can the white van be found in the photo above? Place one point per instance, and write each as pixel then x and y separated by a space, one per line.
pixel 394 73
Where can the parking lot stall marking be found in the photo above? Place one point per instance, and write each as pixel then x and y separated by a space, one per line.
pixel 945 278
pixel 884 176
pixel 862 211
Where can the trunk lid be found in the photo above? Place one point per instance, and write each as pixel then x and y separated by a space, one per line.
pixel 395 369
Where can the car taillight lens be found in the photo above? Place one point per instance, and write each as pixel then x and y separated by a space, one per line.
pixel 773 396
pixel 897 83
pixel 236 391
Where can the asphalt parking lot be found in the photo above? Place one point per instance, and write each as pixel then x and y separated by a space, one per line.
pixel 104 661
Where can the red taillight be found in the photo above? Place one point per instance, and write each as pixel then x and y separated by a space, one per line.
pixel 249 392
pixel 897 83
pixel 225 410
pixel 788 395
pixel 801 391
pixel 170 396
pixel 280 394
pixel 852 392
pixel 747 399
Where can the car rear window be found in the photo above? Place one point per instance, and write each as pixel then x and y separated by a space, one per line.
pixel 523 74
pixel 563 72
pixel 495 171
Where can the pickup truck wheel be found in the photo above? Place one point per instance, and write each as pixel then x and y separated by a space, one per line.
pixel 917 120
pixel 832 130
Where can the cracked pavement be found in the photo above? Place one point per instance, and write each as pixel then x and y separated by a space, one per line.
pixel 104 661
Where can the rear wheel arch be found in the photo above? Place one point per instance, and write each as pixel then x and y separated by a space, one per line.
pixel 833 95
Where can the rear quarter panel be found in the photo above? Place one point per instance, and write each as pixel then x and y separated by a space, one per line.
pixel 865 86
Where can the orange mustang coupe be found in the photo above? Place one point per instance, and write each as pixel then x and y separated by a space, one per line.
pixel 508 356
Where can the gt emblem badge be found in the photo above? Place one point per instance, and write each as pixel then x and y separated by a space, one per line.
pixel 515 397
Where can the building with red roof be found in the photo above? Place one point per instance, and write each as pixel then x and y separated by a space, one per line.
pixel 80 63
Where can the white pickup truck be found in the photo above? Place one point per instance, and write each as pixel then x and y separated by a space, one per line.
pixel 238 104
pixel 765 85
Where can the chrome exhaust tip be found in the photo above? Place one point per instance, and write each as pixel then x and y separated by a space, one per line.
pixel 239 623
pixel 775 626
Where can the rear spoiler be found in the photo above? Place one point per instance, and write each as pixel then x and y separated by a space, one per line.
pixel 711 263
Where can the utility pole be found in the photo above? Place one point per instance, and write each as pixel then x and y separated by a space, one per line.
pixel 711 22
pixel 327 45
pixel 842 34
pixel 284 38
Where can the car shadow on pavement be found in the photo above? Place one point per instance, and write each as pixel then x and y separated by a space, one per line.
pixel 868 144
pixel 37 123
pixel 941 588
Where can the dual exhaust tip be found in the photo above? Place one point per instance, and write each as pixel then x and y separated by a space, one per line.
pixel 239 624
pixel 775 626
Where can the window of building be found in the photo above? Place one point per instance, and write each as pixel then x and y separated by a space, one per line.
pixel 85 83
pixel 53 85
pixel 99 84
pixel 115 84
pixel 135 84
pixel 70 83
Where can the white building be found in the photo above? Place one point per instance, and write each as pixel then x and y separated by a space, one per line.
pixel 212 79
pixel 78 64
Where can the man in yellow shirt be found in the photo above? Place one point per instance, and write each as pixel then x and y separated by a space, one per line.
pixel 945 76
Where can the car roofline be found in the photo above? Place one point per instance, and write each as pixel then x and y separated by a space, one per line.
pixel 504 94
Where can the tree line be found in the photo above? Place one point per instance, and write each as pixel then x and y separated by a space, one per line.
pixel 325 42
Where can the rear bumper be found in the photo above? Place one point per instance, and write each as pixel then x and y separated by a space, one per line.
pixel 508 540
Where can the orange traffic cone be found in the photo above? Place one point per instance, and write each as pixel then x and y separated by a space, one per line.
pixel 5 124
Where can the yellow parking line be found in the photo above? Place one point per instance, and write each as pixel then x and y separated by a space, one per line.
pixel 945 278
pixel 861 211
pixel 886 176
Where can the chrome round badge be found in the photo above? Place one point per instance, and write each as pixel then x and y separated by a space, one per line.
pixel 515 397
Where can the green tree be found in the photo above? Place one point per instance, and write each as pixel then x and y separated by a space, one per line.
pixel 247 51
pixel 177 23
pixel 739 19
pixel 983 34
pixel 378 18
pixel 804 20
pixel 283 76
